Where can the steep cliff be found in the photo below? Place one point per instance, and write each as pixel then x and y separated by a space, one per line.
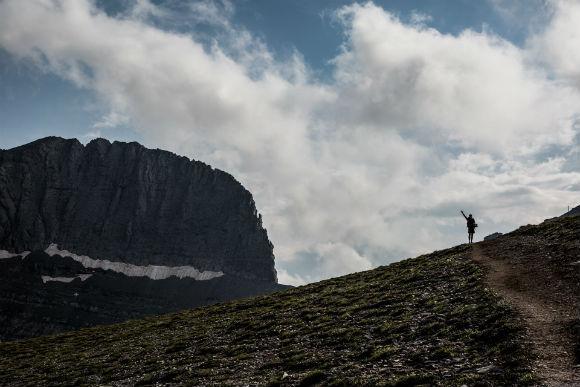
pixel 124 203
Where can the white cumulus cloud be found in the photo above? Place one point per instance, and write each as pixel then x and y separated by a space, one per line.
pixel 367 168
pixel 557 45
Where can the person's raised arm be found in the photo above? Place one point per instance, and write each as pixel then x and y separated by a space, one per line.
pixel 463 214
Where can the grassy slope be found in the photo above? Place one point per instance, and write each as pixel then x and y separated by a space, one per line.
pixel 423 320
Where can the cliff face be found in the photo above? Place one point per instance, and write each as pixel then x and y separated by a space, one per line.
pixel 122 202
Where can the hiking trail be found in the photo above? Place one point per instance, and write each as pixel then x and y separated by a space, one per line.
pixel 546 312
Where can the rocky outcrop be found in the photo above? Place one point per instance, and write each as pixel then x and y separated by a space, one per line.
pixel 122 202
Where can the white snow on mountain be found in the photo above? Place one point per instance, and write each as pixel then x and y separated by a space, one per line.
pixel 47 278
pixel 6 254
pixel 155 272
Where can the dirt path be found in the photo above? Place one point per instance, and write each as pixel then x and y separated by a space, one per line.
pixel 546 318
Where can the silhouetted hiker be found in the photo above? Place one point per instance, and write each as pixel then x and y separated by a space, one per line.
pixel 471 225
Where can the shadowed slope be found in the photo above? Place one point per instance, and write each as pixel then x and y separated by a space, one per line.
pixel 423 320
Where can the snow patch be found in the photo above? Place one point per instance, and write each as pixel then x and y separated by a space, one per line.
pixel 7 254
pixel 155 272
pixel 84 277
pixel 152 271
pixel 47 278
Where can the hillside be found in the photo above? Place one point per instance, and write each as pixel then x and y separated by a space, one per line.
pixel 430 320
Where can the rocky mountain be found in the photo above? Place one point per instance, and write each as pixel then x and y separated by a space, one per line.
pixel 119 231
pixel 124 203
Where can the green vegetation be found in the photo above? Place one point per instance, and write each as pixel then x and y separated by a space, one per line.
pixel 428 320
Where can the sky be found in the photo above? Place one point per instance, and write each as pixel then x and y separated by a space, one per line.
pixel 361 128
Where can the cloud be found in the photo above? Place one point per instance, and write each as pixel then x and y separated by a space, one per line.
pixel 367 168
pixel 419 19
pixel 111 120
pixel 525 15
pixel 556 46
pixel 474 89
pixel 145 9
pixel 323 260
pixel 212 12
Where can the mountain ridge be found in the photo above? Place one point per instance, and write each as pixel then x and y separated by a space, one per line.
pixel 144 206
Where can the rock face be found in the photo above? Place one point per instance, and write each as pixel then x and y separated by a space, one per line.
pixel 108 232
pixel 123 202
